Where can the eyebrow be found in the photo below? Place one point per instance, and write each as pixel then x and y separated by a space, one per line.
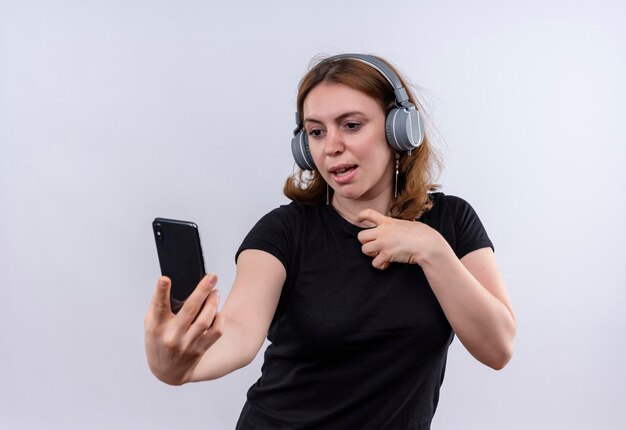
pixel 338 119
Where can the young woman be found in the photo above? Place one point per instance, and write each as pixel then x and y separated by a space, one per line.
pixel 360 283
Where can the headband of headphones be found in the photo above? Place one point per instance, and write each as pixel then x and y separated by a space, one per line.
pixel 404 126
pixel 402 98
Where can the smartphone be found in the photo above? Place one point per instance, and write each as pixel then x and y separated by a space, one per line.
pixel 180 257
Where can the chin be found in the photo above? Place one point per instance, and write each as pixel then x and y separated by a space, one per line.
pixel 350 195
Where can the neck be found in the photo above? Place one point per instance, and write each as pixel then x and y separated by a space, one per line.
pixel 349 209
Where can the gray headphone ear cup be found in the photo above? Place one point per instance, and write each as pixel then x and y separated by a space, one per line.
pixel 300 151
pixel 404 128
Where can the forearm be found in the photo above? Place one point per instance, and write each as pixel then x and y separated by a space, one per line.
pixel 247 315
pixel 483 323
pixel 234 350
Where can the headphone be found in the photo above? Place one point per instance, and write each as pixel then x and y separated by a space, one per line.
pixel 404 126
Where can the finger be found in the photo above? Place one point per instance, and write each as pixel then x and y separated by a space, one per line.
pixel 367 235
pixel 206 317
pixel 160 305
pixel 193 304
pixel 372 216
pixel 371 249
pixel 211 336
pixel 381 261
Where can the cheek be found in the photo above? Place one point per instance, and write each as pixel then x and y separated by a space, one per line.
pixel 383 165
pixel 377 146
pixel 314 149
pixel 379 155
pixel 316 154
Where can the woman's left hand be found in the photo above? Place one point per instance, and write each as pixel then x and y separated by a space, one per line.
pixel 398 241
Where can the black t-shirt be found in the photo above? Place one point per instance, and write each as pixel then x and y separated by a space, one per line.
pixel 352 347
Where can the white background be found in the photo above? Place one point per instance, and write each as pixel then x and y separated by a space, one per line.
pixel 116 112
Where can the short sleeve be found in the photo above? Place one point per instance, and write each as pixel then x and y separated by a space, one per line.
pixel 274 234
pixel 470 234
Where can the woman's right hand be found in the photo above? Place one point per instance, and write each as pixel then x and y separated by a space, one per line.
pixel 175 343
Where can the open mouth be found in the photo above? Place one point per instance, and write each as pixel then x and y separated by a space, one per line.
pixel 343 174
pixel 342 170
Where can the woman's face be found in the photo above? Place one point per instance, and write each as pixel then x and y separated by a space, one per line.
pixel 346 134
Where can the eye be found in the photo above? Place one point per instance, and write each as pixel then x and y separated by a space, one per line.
pixel 352 126
pixel 315 132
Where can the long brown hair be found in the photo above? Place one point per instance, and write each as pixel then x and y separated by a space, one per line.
pixel 416 171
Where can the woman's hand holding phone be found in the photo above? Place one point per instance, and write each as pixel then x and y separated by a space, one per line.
pixel 175 343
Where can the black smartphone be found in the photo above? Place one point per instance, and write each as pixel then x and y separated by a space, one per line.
pixel 180 257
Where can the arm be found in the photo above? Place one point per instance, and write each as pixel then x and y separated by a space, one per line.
pixel 196 345
pixel 470 291
pixel 248 312
pixel 473 296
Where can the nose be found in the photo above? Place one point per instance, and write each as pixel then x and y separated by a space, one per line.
pixel 334 142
